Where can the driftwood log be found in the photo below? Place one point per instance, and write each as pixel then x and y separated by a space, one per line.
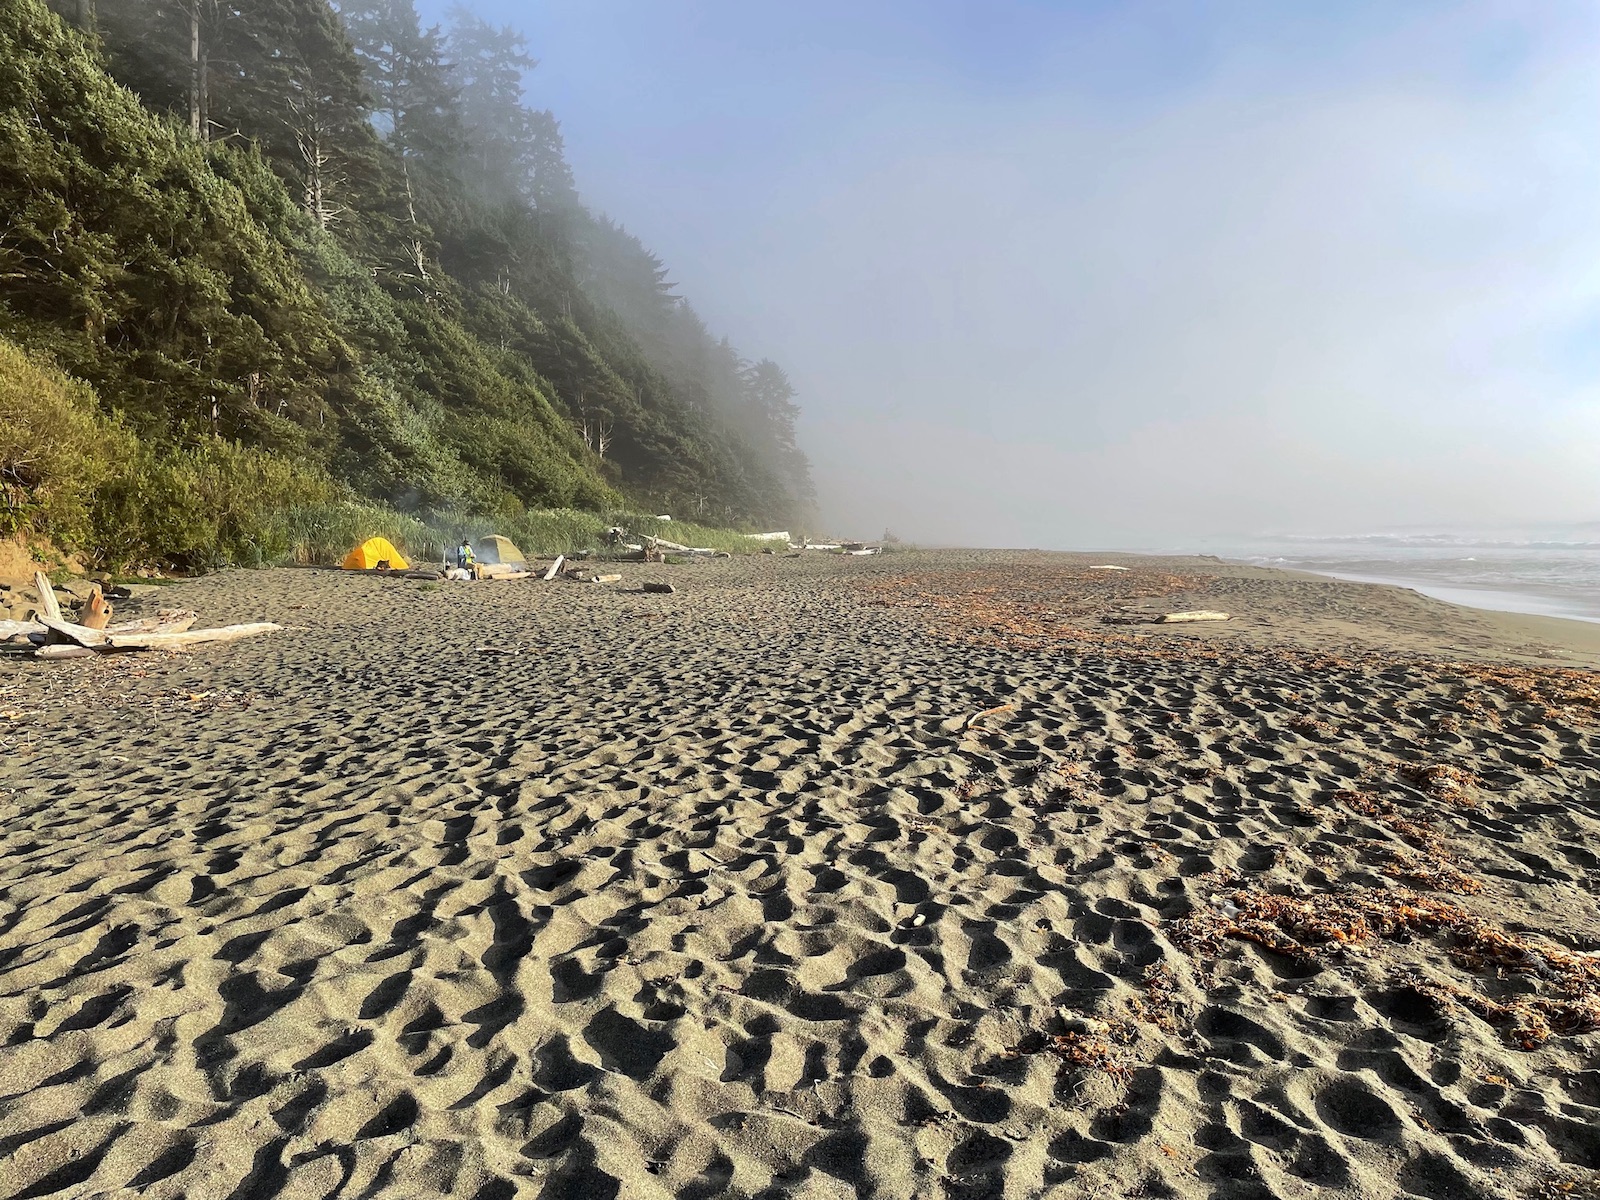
pixel 555 568
pixel 63 650
pixel 502 571
pixel 48 604
pixel 1196 615
pixel 71 632
pixel 168 620
pixel 170 633
pixel 192 637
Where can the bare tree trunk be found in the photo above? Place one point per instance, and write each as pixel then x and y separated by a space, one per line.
pixel 194 69
pixel 205 97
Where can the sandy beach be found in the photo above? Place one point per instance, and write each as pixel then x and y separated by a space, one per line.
pixel 926 875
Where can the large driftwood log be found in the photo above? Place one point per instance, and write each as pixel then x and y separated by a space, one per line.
pixel 1196 615
pixel 17 629
pixel 192 637
pixel 63 650
pixel 70 631
pixel 168 620
pixel 48 604
pixel 679 548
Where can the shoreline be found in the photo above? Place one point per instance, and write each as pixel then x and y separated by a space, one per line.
pixel 1576 633
pixel 1523 603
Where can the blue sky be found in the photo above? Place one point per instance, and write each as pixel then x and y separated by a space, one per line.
pixel 1125 273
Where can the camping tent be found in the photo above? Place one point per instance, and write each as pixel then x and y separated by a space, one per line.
pixel 497 551
pixel 372 552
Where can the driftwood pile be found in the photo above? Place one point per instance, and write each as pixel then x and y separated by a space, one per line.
pixel 55 637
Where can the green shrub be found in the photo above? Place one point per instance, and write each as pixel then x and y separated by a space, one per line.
pixel 56 450
pixel 213 504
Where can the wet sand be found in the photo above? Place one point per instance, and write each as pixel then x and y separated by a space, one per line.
pixel 929 875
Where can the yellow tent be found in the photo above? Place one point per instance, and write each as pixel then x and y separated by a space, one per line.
pixel 372 553
pixel 495 550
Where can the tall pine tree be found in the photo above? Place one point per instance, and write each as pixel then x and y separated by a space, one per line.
pixel 408 76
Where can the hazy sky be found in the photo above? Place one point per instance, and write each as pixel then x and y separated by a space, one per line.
pixel 1063 274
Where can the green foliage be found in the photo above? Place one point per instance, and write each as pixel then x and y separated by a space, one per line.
pixel 56 450
pixel 203 506
pixel 73 473
pixel 301 320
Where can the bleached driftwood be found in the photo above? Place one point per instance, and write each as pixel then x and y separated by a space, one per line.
pixel 1198 614
pixel 555 568
pixel 63 650
pixel 168 620
pixel 502 571
pixel 1107 567
pixel 679 548
pixel 15 629
pixel 48 604
pixel 192 637
pixel 71 631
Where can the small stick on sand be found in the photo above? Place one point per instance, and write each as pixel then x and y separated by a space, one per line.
pixel 988 712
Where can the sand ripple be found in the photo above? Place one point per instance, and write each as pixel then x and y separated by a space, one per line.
pixel 716 894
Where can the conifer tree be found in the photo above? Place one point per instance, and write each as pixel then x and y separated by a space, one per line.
pixel 486 68
pixel 408 76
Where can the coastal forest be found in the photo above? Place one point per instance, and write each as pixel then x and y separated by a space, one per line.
pixel 265 259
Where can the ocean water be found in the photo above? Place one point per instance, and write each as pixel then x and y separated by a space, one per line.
pixel 1552 571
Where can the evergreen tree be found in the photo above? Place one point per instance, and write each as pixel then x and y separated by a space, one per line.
pixel 550 188
pixel 294 84
pixel 408 76
pixel 770 397
pixel 486 68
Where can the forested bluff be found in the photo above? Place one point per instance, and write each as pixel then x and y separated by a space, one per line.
pixel 281 267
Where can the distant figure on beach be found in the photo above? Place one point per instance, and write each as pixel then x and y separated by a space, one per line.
pixel 464 557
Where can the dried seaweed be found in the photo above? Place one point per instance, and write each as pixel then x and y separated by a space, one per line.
pixel 1315 928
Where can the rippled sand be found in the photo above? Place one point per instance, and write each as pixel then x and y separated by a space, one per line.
pixel 734 892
